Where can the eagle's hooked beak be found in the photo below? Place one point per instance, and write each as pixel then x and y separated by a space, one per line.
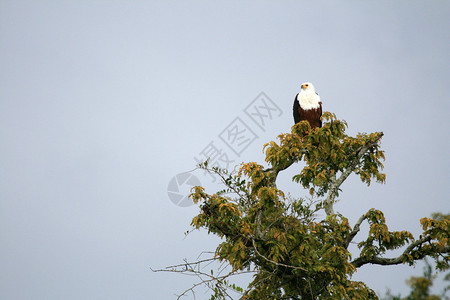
pixel 304 86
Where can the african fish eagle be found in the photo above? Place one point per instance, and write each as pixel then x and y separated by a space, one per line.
pixel 307 106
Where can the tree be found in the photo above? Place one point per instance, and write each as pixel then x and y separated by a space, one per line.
pixel 280 240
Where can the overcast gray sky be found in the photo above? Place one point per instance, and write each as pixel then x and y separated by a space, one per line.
pixel 104 102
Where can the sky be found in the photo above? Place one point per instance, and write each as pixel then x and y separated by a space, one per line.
pixel 104 103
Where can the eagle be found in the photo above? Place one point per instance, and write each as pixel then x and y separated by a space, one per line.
pixel 307 106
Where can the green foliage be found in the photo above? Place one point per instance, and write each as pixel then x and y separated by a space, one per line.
pixel 437 229
pixel 380 238
pixel 327 151
pixel 293 254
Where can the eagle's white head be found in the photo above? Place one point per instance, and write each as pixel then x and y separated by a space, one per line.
pixel 308 98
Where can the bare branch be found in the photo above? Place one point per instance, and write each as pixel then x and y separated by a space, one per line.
pixel 258 225
pixel 185 265
pixel 194 269
pixel 360 261
pixel 329 201
pixel 355 230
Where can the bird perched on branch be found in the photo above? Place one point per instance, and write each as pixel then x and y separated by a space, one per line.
pixel 307 106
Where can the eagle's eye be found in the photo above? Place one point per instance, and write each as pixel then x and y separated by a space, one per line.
pixel 306 85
